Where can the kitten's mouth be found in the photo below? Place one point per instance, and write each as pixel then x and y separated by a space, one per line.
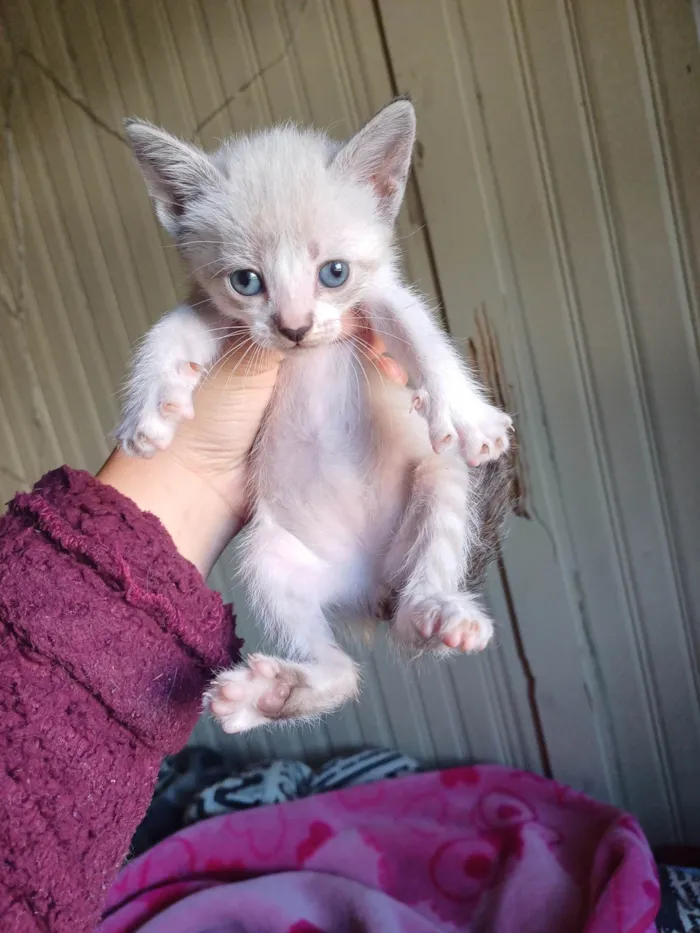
pixel 296 348
pixel 312 342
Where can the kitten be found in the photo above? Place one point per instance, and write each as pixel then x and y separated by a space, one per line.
pixel 366 494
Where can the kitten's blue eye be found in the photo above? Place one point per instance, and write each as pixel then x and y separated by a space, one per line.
pixel 246 282
pixel 334 273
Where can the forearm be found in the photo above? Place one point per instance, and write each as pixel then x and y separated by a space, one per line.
pixel 413 336
pixel 199 516
pixel 450 399
pixel 108 640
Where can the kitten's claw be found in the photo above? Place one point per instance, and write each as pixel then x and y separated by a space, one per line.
pixel 481 429
pixel 252 694
pixel 444 623
pixel 419 400
pixel 152 427
pixel 440 425
pixel 152 433
pixel 487 437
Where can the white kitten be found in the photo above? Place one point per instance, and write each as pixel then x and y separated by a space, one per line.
pixel 359 501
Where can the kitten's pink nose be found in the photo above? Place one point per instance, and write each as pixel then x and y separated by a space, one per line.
pixel 295 334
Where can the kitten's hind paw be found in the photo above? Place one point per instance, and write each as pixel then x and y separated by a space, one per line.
pixel 254 693
pixel 443 624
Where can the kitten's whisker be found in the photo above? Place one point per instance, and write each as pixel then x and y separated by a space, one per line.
pixel 261 355
pixel 369 350
pixel 369 386
pixel 204 243
pixel 253 361
pixel 222 359
pixel 345 340
pixel 220 333
pixel 197 304
pixel 233 332
pixel 407 236
pixel 454 340
pixel 238 341
pixel 216 339
pixel 205 265
pixel 234 327
pixel 183 243
pixel 223 264
pixel 372 359
pixel 386 333
pixel 433 304
pixel 238 364
pixel 370 355
pixel 353 362
pixel 232 352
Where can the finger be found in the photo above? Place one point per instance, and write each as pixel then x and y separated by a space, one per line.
pixel 366 333
pixel 244 358
pixel 376 350
pixel 375 341
pixel 392 370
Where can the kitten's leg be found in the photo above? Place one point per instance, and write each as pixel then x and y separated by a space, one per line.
pixel 286 583
pixel 452 402
pixel 167 367
pixel 427 561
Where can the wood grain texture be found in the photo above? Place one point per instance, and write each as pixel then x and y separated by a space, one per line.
pixel 553 211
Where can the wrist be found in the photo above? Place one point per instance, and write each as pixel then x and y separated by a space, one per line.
pixel 197 514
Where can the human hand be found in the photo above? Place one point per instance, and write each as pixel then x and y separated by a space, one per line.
pixel 198 485
pixel 229 407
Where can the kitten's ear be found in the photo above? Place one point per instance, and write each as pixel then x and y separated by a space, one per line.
pixel 380 154
pixel 175 171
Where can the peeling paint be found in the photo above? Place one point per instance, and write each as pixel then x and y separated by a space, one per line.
pixel 484 354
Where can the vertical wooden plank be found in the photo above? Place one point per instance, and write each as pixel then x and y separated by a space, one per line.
pixel 107 76
pixel 557 170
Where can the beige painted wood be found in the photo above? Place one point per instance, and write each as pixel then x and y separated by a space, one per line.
pixel 566 133
pixel 556 214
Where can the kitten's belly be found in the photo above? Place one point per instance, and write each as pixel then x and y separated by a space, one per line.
pixel 334 463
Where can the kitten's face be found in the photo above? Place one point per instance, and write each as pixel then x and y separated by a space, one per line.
pixel 285 243
pixel 284 230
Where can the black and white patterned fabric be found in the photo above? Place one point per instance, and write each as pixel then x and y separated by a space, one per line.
pixel 680 900
pixel 198 783
pixel 278 781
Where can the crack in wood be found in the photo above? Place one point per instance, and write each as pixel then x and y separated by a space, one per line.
pixel 485 356
pixel 249 82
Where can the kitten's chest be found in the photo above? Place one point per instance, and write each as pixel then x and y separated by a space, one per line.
pixel 321 410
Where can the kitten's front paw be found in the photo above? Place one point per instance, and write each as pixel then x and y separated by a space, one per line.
pixel 151 425
pixel 436 411
pixel 487 436
pixel 253 694
pixel 481 430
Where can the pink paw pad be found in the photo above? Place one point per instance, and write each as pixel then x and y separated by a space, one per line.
pixel 454 622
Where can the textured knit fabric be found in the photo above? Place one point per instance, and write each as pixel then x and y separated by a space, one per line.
pixel 107 640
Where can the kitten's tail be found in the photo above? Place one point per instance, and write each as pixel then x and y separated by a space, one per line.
pixel 493 489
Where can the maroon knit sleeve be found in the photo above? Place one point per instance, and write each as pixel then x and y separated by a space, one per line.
pixel 107 640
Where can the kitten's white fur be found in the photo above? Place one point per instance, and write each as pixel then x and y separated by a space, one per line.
pixel 358 499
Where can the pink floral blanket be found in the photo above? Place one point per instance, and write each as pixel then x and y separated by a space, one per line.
pixel 472 849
